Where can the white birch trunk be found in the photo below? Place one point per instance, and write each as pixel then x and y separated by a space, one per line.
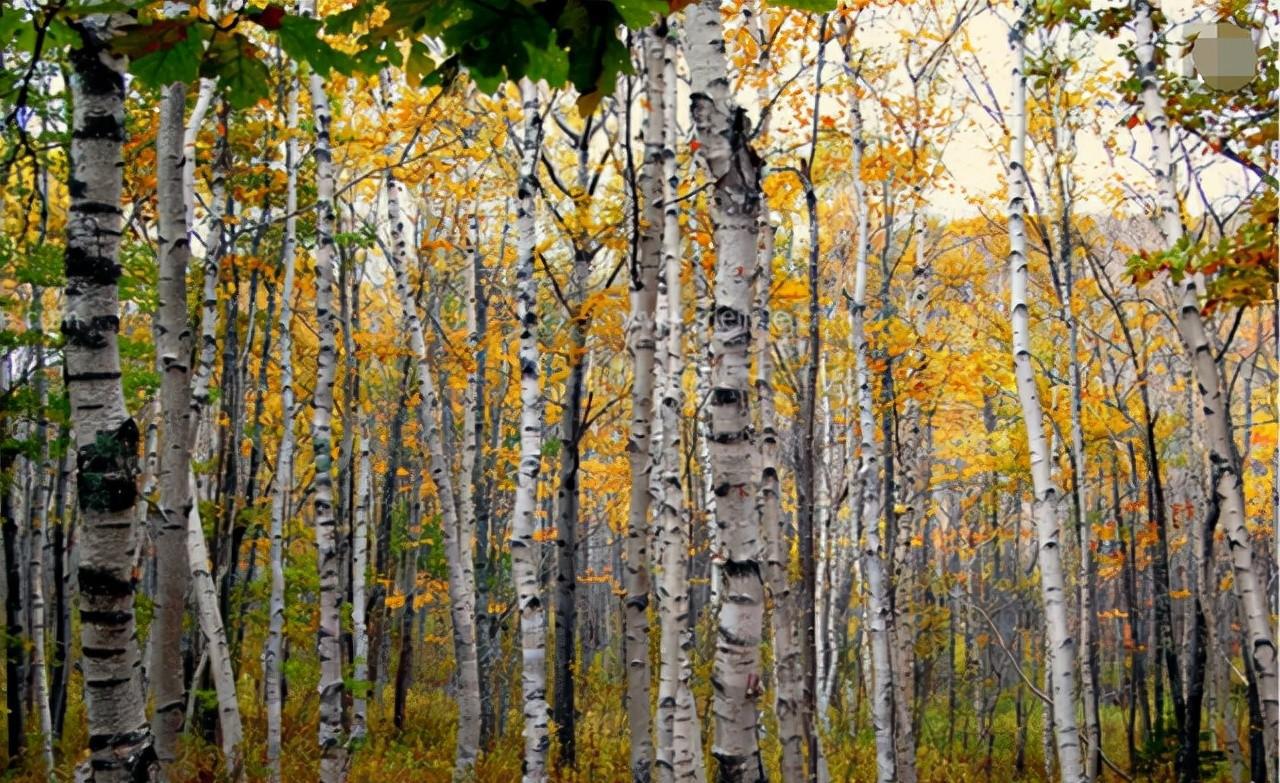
pixel 687 757
pixel 645 439
pixel 646 455
pixel 215 635
pixel 283 481
pixel 190 135
pixel 869 480
pixel 1226 480
pixel 823 560
pixel 470 485
pixel 359 568
pixel 525 562
pixel 106 437
pixel 788 672
pixel 36 555
pixel 461 574
pixel 723 131
pixel 1047 505
pixel 913 458
pixel 680 755
pixel 333 759
pixel 173 348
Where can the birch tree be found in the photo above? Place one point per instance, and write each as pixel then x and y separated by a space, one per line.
pixel 1047 503
pixel 38 543
pixel 1224 461
pixel 333 758
pixel 218 651
pixel 273 650
pixel 173 346
pixel 359 568
pixel 106 437
pixel 644 484
pixel 524 547
pixel 660 330
pixel 723 132
pixel 868 477
pixel 458 552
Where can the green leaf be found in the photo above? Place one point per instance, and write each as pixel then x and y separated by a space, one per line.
pixel 234 61
pixel 177 63
pixel 300 39
pixel 418 63
pixel 487 83
pixel 17 30
pixel 815 6
pixel 548 62
pixel 640 13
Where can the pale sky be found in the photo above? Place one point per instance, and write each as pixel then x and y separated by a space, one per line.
pixel 973 167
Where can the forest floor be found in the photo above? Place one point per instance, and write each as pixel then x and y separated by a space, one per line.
pixel 950 751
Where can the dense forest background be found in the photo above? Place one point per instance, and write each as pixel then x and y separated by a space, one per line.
pixel 626 391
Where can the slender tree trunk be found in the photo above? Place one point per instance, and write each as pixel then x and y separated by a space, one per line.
pixel 215 245
pixel 868 478
pixel 272 654
pixel 462 604
pixel 215 636
pixel 567 505
pixel 1137 673
pixel 723 131
pixel 190 159
pixel 256 456
pixel 173 346
pixel 810 512
pixel 1089 688
pixel 359 567
pixel 348 455
pixel 474 502
pixel 913 447
pixel 787 653
pixel 408 582
pixel 641 346
pixel 120 740
pixel 679 756
pixel 15 651
pixel 333 751
pixel 687 757
pixel 1226 481
pixel 1046 507
pixel 182 535
pixel 39 539
pixel 61 539
pixel 524 547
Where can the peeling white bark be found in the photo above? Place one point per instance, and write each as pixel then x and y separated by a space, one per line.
pixel 1047 504
pixel 723 132
pixel 525 562
pixel 680 756
pixel 1224 462
pixel 333 750
pixel 646 455
pixel 106 437
pixel 869 480
pixel 215 635
pixel 272 653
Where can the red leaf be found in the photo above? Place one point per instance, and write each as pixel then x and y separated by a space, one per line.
pixel 138 40
pixel 694 145
pixel 269 18
pixel 1133 122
